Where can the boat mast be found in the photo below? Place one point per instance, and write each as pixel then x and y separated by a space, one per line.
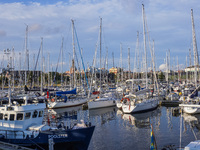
pixel 62 64
pixel 48 70
pixel 128 63
pixel 13 79
pixel 2 65
pixel 145 50
pixel 121 63
pixel 41 88
pixel 196 59
pixel 26 53
pixel 73 59
pixel 100 50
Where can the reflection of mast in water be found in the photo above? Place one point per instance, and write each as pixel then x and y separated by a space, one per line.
pixel 141 120
pixel 169 115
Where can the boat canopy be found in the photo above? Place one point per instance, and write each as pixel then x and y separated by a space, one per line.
pixel 66 92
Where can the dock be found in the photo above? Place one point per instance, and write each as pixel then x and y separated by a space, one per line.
pixel 8 146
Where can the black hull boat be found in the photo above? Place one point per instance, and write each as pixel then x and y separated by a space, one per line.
pixel 73 139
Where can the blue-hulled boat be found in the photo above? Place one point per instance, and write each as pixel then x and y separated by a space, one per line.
pixel 23 124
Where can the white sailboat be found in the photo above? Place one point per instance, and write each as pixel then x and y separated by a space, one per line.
pixel 104 100
pixel 146 101
pixel 62 100
pixel 192 105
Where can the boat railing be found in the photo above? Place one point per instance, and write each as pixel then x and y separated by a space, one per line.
pixel 11 134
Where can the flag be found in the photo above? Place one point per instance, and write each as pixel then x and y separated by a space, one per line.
pixel 153 145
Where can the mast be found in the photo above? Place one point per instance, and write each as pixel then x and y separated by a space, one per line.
pixel 121 62
pixel 48 70
pixel 26 53
pixel 196 59
pixel 33 70
pixel 136 61
pixel 145 50
pixel 187 71
pixel 73 59
pixel 13 80
pixel 100 50
pixel 113 59
pixel 62 64
pixel 107 65
pixel 128 63
pixel 2 65
pixel 41 88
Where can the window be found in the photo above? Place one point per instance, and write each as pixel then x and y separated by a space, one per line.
pixel 20 116
pixel 1 116
pixel 12 117
pixel 40 113
pixel 28 115
pixel 6 117
pixel 35 114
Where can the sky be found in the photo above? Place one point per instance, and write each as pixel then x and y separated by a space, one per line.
pixel 169 26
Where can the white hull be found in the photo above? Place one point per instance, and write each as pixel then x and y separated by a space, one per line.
pixel 102 102
pixel 140 107
pixel 69 103
pixel 119 105
pixel 190 108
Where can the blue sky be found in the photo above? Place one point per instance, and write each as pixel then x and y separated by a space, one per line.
pixel 169 25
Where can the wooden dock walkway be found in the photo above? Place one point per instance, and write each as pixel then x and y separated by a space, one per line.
pixel 8 146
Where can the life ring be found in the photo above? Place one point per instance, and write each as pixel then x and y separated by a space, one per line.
pixel 126 99
pixel 53 100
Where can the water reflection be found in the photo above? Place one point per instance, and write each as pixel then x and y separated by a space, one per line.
pixel 140 120
pixel 191 121
pixel 103 114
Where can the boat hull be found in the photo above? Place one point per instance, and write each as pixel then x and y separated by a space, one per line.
pixel 140 107
pixel 191 108
pixel 101 103
pixel 70 103
pixel 64 139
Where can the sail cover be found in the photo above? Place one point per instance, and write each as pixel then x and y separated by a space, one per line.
pixel 66 92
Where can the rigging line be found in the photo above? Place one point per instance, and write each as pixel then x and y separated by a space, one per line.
pixel 81 58
pixel 54 78
pixel 35 65
pixel 79 70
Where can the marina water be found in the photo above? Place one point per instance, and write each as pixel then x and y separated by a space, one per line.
pixel 115 130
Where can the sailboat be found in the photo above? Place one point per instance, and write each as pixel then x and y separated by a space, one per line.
pixel 103 100
pixel 192 105
pixel 22 124
pixel 68 98
pixel 142 100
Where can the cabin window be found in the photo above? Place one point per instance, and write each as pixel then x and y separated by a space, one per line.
pixel 28 115
pixel 6 117
pixel 35 113
pixel 20 116
pixel 1 116
pixel 40 113
pixel 12 117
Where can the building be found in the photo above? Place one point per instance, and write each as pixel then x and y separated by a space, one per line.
pixel 191 69
pixel 113 70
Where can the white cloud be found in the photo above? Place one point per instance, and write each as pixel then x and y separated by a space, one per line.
pixel 162 67
pixel 169 24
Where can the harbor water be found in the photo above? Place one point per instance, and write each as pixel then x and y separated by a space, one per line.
pixel 115 130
